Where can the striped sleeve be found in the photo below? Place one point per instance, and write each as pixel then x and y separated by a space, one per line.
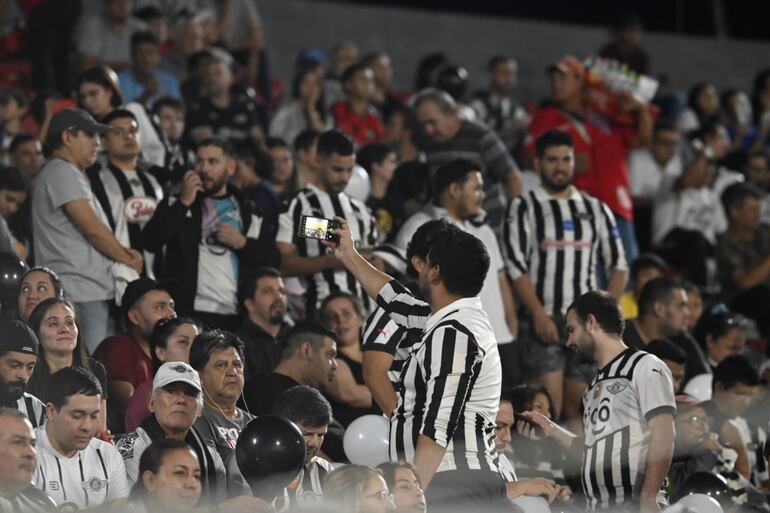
pixel 517 238
pixel 288 222
pixel 497 160
pixel 381 333
pixel 610 245
pixel 452 361
pixel 403 308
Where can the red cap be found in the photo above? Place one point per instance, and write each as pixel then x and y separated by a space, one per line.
pixel 568 65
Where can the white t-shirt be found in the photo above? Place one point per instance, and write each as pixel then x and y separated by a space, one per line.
pixel 645 175
pixel 92 477
pixel 491 296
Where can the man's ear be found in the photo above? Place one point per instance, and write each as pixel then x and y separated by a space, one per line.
pixel 434 275
pixel 133 316
pixel 50 410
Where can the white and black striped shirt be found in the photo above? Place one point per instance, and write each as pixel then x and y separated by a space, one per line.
pixel 558 242
pixel 313 201
pixel 32 408
pixel 618 404
pixel 308 488
pixel 382 334
pixel 450 383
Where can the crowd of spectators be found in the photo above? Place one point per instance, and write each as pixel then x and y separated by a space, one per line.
pixel 153 182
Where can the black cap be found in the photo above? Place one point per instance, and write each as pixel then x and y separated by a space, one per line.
pixel 17 337
pixel 74 119
pixel 141 286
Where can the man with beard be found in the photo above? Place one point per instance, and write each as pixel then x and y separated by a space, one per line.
pixel 311 412
pixel 554 236
pixel 263 298
pixel 70 229
pixel 126 356
pixel 325 197
pixel 212 236
pixel 629 409
pixel 18 357
pixel 127 193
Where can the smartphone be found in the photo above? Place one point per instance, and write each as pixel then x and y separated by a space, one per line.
pixel 537 429
pixel 317 228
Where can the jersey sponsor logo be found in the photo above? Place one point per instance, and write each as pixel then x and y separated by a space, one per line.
pixel 139 209
pixel 598 417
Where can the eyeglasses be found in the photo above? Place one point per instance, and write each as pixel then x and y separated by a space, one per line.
pixel 382 496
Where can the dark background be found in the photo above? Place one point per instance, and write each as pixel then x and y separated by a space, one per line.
pixel 735 19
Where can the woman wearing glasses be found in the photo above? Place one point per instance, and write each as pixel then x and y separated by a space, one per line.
pixel 358 489
pixel 402 480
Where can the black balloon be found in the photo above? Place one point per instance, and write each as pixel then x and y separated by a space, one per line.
pixel 709 484
pixel 11 271
pixel 270 452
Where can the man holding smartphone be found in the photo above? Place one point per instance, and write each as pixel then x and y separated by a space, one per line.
pixel 326 198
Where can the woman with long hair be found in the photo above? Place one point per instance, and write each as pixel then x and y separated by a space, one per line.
pixel 306 110
pixel 55 323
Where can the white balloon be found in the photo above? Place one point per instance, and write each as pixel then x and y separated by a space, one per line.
pixel 367 440
pixel 359 184
pixel 532 504
pixel 700 503
pixel 699 387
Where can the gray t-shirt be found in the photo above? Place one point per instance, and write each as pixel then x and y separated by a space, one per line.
pixel 222 433
pixel 59 243
pixel 97 38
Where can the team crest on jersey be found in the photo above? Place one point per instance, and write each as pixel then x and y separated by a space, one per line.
pixel 94 484
pixel 616 388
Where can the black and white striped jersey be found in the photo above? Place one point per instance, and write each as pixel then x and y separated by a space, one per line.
pixel 32 408
pixel 618 404
pixel 382 334
pixel 313 201
pixel 559 242
pixel 507 471
pixel 92 477
pixel 450 384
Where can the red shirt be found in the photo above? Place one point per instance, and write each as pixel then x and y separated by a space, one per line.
pixel 363 129
pixel 124 360
pixel 607 148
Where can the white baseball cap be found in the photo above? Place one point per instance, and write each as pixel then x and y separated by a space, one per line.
pixel 174 372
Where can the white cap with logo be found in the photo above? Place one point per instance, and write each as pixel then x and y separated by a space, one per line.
pixel 174 372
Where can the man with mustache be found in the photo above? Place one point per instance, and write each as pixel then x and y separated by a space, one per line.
pixel 18 357
pixel 18 461
pixel 628 407
pixel 553 238
pixel 70 229
pixel 212 237
pixel 264 300
pixel 218 356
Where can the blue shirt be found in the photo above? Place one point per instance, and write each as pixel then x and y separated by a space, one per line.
pixel 132 89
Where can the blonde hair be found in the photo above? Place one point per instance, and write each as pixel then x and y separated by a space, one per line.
pixel 346 487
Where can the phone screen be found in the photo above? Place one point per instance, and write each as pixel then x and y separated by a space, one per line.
pixel 315 228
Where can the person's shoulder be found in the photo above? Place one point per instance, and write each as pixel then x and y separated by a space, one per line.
pixel 34 399
pixel 324 464
pixel 130 445
pixel 115 344
pixel 105 448
pixel 39 500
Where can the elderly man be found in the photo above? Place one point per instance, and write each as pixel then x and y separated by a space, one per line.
pixel 18 460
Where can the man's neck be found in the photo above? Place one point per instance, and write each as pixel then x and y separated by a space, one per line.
pixel 563 194
pixel 290 369
pixel 64 451
pixel 227 408
pixel 267 326
pixel 221 100
pixel 574 104
pixel 10 489
pixel 307 174
pixel 144 344
pixel 57 362
pixel 125 165
pixel 647 328
pixel 379 187
pixel 407 150
pixel 64 155
pixel 358 105
pixel 454 128
pixel 176 435
pixel 452 210
pixel 441 299
pixel 608 351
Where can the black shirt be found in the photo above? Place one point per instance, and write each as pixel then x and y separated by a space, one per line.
pixel 262 390
pixel 263 351
pixel 234 122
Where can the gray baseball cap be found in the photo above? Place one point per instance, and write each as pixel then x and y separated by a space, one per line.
pixel 74 119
